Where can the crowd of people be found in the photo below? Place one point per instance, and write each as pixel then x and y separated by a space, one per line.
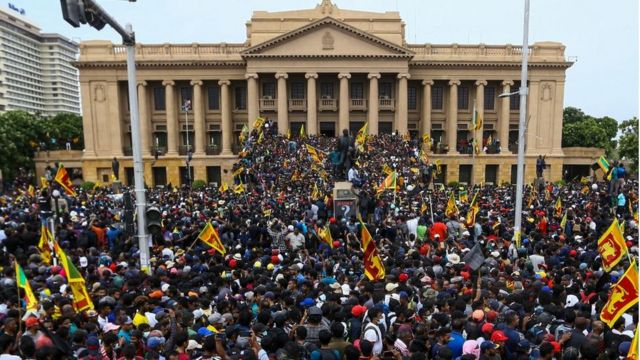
pixel 282 292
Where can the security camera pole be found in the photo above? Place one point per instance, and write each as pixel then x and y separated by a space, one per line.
pixel 76 12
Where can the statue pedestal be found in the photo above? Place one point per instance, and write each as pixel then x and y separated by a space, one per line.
pixel 116 186
pixel 345 200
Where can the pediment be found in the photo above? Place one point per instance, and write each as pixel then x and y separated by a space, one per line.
pixel 327 37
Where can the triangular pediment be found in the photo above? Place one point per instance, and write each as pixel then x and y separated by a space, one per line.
pixel 327 37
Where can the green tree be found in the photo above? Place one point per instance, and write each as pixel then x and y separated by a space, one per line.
pixel 628 144
pixel 580 129
pixel 22 134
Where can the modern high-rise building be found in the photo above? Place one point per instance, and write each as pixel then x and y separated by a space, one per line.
pixel 36 74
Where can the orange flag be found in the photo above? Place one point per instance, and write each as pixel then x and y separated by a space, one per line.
pixel 611 246
pixel 373 267
pixel 624 295
pixel 62 178
pixel 209 236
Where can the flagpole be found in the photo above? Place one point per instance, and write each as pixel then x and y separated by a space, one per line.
pixel 15 267
pixel 52 225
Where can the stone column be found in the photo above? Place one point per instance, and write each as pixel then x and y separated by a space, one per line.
pixel 283 108
pixel 115 115
pixel 343 106
pixel 145 121
pixel 172 117
pixel 477 134
pixel 402 110
pixel 374 103
pixel 312 104
pixel 452 117
pixel 426 107
pixel 503 123
pixel 88 121
pixel 253 107
pixel 199 129
pixel 227 130
pixel 557 120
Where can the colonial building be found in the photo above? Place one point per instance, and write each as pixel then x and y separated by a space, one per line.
pixel 327 69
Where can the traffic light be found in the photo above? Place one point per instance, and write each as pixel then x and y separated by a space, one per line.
pixel 154 220
pixel 73 12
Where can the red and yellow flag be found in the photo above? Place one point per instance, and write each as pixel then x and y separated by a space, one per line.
pixel 474 209
pixel 23 283
pixel 209 236
pixel 62 178
pixel 43 244
pixel 612 246
pixel 452 208
pixel 317 156
pixel 373 267
pixel 325 235
pixel 81 299
pixel 558 207
pixel 624 295
pixel 390 182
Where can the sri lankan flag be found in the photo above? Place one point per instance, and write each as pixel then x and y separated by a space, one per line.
pixel 474 209
pixel 373 267
pixel 361 138
pixel 463 196
pixel 426 139
pixel 44 183
pixel 624 295
pixel 315 193
pixel 452 208
pixel 238 171
pixel 558 206
pixel 438 168
pixel 302 134
pixel 604 165
pixel 633 351
pixel 386 169
pixel 81 299
pixel 390 182
pixel 259 122
pixel 23 283
pixel 43 244
pixel 224 187
pixel 477 119
pixel 31 191
pixel 209 236
pixel 288 134
pixel 316 155
pixel 62 178
pixel 239 189
pixel 612 246
pixel 325 235
pixel 563 222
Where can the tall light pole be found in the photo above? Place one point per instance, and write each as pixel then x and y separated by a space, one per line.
pixel 77 12
pixel 523 92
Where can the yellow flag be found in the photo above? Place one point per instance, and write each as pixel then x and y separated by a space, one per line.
pixel 386 169
pixel 31 191
pixel 239 189
pixel 302 134
pixel 633 350
pixel 289 133
pixel 44 183
pixel 259 122
pixel 238 171
pixel 224 187
pixel 315 193
pixel 23 283
pixel 452 208
pixel 438 168
pixel 260 137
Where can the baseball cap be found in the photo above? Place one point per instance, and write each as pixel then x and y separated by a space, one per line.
pixel 498 335
pixel 488 345
pixel 478 315
pixel 358 310
pixel 487 328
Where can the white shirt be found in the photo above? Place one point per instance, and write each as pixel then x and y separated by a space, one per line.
pixel 353 174
pixel 373 334
pixel 296 241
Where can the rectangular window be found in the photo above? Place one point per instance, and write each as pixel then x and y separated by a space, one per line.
pixel 269 90
pixel 240 97
pixel 213 96
pixel 357 90
pixel 514 100
pixel 326 90
pixel 384 91
pixel 186 94
pixel 297 90
pixel 437 97
pixel 463 98
pixel 158 98
pixel 412 97
pixel 489 98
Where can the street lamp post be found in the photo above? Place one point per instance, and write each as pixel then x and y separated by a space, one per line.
pixel 77 12
pixel 522 92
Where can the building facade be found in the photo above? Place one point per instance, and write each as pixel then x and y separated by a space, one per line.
pixel 327 69
pixel 36 71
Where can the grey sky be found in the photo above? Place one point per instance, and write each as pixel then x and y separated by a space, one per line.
pixel 602 35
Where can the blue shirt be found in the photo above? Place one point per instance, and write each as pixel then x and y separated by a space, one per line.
pixel 455 344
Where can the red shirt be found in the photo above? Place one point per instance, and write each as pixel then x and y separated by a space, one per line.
pixel 438 228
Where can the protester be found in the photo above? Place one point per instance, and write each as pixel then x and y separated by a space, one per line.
pixel 283 289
